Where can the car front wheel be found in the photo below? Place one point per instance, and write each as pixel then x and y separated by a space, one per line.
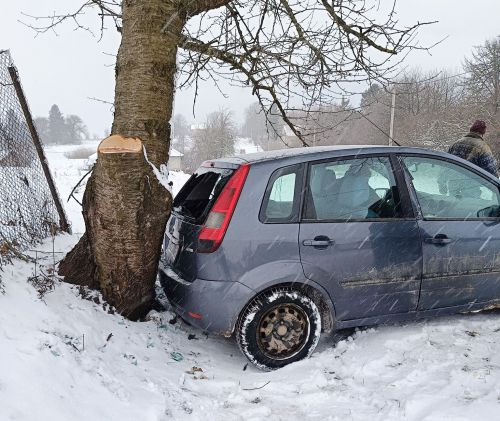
pixel 279 327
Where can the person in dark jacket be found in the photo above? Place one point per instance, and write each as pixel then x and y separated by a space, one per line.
pixel 473 148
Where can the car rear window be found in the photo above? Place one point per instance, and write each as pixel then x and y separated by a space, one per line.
pixel 200 192
pixel 282 199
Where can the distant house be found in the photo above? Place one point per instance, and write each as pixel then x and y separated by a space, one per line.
pixel 290 138
pixel 175 160
pixel 244 145
pixel 197 129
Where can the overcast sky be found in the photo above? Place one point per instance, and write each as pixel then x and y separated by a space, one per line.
pixel 70 67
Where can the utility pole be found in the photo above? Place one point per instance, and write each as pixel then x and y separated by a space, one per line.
pixel 393 109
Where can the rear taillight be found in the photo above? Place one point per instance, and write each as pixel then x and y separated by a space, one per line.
pixel 215 227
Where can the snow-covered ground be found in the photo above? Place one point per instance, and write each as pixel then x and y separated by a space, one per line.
pixel 65 358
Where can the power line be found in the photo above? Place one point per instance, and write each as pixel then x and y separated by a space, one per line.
pixel 433 79
pixel 379 128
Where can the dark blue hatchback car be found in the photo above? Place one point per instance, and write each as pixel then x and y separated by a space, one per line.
pixel 279 246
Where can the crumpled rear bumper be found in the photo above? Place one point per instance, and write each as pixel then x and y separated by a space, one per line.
pixel 212 306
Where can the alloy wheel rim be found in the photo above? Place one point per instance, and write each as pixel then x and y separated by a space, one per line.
pixel 283 331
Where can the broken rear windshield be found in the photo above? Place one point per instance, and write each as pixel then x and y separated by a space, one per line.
pixel 200 192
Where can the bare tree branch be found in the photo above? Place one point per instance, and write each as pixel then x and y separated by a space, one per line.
pixel 294 54
pixel 193 8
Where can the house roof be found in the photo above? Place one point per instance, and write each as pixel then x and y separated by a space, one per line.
pixel 175 152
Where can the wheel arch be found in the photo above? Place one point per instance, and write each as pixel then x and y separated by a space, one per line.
pixel 315 292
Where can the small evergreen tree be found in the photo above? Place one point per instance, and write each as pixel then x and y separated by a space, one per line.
pixel 57 132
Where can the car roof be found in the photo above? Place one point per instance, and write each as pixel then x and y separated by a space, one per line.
pixel 323 152
pixel 310 152
pixel 298 155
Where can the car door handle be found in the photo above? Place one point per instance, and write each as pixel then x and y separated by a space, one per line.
pixel 319 242
pixel 439 239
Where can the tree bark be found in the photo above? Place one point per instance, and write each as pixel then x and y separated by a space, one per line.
pixel 125 207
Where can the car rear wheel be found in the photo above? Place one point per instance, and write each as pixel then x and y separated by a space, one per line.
pixel 279 327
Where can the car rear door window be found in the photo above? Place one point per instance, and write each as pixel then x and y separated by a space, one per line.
pixel 450 191
pixel 352 189
pixel 200 192
pixel 281 201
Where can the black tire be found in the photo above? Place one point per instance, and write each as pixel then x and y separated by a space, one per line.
pixel 279 327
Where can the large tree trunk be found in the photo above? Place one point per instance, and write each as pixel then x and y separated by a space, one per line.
pixel 125 207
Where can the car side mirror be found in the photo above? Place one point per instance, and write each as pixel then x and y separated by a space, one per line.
pixel 489 212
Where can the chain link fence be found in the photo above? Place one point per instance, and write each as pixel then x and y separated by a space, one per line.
pixel 28 208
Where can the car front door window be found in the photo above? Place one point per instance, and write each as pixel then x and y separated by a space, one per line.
pixel 450 191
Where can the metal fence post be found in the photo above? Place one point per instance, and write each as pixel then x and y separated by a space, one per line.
pixel 63 221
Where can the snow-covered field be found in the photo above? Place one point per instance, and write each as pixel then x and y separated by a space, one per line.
pixel 65 358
